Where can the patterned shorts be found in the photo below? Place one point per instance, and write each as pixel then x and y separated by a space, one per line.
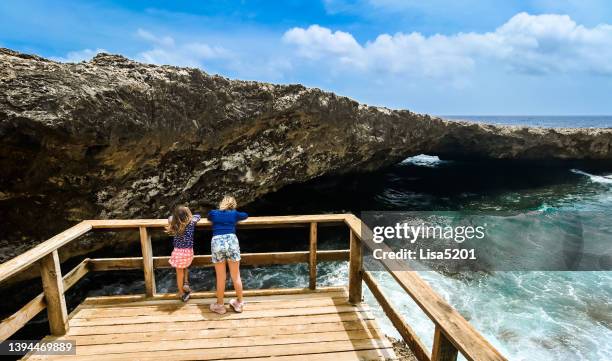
pixel 225 247
pixel 181 257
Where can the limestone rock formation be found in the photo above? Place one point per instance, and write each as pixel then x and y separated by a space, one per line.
pixel 114 138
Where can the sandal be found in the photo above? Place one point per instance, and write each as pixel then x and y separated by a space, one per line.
pixel 237 306
pixel 216 308
pixel 185 297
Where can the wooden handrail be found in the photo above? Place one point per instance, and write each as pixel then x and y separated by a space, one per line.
pixel 408 334
pixel 450 324
pixel 453 333
pixel 247 259
pixel 251 222
pixel 18 319
pixel 26 259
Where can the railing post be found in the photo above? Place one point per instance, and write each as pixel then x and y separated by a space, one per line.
pixel 355 263
pixel 313 256
pixel 443 349
pixel 147 261
pixel 53 287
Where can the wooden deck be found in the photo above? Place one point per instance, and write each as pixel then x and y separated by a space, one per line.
pixel 309 326
pixel 286 324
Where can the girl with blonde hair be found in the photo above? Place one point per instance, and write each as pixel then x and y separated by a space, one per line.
pixel 225 251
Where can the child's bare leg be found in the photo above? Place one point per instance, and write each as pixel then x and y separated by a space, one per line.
pixel 234 267
pixel 180 274
pixel 186 286
pixel 221 275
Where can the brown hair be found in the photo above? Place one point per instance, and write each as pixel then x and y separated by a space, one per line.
pixel 181 216
pixel 228 202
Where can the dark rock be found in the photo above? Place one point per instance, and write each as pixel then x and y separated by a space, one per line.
pixel 401 349
pixel 114 138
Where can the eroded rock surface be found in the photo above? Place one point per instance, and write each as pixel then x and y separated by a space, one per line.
pixel 114 138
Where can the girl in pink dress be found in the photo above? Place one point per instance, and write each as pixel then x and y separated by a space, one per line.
pixel 182 226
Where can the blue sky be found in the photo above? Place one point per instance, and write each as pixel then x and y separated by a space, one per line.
pixel 436 56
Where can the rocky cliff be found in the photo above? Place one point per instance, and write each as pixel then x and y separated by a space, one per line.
pixel 114 138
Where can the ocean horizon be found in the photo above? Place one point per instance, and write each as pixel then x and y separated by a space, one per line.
pixel 546 121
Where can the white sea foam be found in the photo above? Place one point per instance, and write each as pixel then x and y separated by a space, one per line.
pixel 424 160
pixel 607 179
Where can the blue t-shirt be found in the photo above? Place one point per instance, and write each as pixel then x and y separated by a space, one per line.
pixel 185 240
pixel 224 222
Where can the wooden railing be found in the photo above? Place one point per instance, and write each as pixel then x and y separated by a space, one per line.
pixel 453 334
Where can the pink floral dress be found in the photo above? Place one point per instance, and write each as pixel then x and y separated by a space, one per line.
pixel 182 255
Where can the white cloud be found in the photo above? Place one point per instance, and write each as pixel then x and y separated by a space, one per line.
pixel 317 39
pixel 534 44
pixel 78 56
pixel 161 41
pixel 316 42
pixel 553 43
pixel 166 51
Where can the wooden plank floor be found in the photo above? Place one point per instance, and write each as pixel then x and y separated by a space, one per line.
pixel 308 326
